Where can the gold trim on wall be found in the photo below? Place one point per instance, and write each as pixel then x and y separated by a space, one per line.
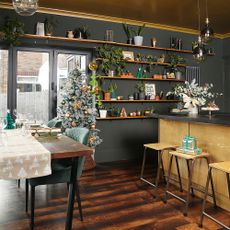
pixel 114 19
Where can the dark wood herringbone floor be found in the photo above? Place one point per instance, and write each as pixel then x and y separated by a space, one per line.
pixel 113 198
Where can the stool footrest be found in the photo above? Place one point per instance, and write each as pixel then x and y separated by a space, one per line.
pixel 215 220
pixel 146 181
pixel 177 197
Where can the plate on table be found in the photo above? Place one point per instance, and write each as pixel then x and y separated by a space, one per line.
pixel 182 112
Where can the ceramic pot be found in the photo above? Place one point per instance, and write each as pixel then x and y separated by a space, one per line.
pixel 107 96
pixel 178 75
pixel 136 96
pixel 111 73
pixel 130 41
pixel 141 96
pixel 103 113
pixel 138 40
pixel 193 110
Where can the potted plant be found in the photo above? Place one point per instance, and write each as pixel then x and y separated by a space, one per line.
pixel 112 89
pixel 82 32
pixel 128 32
pixel 114 111
pixel 111 60
pixel 173 65
pixel 49 27
pixel 12 31
pixel 138 35
pixel 141 88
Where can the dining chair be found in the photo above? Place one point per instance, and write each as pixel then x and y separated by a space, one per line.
pixel 61 172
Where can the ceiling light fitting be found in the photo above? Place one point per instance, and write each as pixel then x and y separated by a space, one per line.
pixel 25 7
pixel 207 32
pixel 199 51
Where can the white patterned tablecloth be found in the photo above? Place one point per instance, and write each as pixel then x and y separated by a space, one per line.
pixel 22 156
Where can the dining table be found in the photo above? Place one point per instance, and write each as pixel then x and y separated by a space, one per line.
pixel 27 156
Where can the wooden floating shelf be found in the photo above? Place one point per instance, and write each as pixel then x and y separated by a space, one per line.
pixel 138 79
pixel 148 62
pixel 123 118
pixel 140 101
pixel 93 41
pixel 153 63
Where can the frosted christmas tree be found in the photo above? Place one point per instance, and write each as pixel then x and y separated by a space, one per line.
pixel 8 122
pixel 77 109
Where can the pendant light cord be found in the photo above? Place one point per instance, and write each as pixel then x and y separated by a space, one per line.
pixel 206 7
pixel 198 7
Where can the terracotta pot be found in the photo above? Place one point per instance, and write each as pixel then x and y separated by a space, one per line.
pixel 107 96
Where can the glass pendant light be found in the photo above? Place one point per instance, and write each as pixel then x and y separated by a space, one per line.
pixel 207 32
pixel 25 7
pixel 199 52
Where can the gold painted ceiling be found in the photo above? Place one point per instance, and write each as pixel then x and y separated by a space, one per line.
pixel 173 13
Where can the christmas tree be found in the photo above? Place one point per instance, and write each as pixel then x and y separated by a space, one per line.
pixel 8 122
pixel 77 106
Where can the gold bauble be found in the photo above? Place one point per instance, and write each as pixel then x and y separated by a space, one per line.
pixel 77 105
pixel 67 115
pixel 97 90
pixel 93 66
pixel 93 126
pixel 74 124
pixel 84 88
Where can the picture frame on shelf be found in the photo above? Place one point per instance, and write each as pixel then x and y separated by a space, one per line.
pixel 150 90
pixel 128 55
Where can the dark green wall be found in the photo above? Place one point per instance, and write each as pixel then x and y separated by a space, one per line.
pixel 124 139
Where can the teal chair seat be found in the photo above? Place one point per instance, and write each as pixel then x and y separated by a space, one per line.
pixel 61 171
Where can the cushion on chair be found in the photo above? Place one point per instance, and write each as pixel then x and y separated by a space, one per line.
pixel 54 123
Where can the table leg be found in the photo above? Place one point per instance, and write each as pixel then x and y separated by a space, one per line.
pixel 72 189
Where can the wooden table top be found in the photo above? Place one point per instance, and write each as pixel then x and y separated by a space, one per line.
pixel 64 147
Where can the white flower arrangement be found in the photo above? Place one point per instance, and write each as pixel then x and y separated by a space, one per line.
pixel 194 95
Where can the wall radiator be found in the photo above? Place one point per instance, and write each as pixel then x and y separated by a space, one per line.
pixel 191 73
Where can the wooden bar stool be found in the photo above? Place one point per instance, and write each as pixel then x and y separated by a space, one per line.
pixel 224 167
pixel 160 148
pixel 190 161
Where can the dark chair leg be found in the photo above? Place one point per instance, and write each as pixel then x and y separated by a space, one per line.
pixel 19 183
pixel 27 195
pixel 32 200
pixel 158 168
pixel 143 163
pixel 79 200
pixel 188 166
pixel 163 170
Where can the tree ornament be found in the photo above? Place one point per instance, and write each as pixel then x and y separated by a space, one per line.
pixel 77 105
pixel 74 124
pixel 84 88
pixel 93 126
pixel 93 66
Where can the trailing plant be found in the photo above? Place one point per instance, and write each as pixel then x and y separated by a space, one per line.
pixel 139 31
pixel 111 59
pixel 127 30
pixel 12 30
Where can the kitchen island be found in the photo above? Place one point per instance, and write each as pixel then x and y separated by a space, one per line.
pixel 213 136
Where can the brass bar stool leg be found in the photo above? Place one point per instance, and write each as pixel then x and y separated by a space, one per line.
pixel 187 162
pixel 228 181
pixel 205 197
pixel 189 187
pixel 143 163
pixel 178 172
pixel 158 167
pixel 169 174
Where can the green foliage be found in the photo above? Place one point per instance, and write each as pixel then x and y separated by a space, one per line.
pixel 128 30
pixel 111 59
pixel 140 86
pixel 174 60
pixel 12 31
pixel 49 26
pixel 84 30
pixel 139 31
pixel 112 87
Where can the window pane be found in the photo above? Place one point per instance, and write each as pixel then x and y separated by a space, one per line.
pixel 33 85
pixel 66 63
pixel 3 81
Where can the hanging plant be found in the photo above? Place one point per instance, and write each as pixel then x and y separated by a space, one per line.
pixel 12 31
